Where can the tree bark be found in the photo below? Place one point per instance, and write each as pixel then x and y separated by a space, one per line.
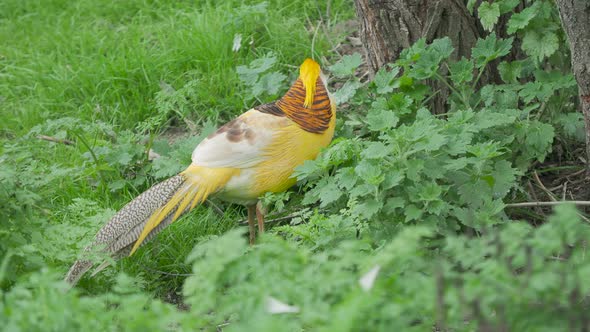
pixel 575 18
pixel 389 26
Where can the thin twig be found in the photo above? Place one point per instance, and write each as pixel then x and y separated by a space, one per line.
pixel 335 50
pixel 221 326
pixel 576 173
pixel 535 198
pixel 542 186
pixel 552 197
pixel 552 203
pixel 55 140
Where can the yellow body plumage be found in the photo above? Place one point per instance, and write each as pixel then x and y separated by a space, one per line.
pixel 291 148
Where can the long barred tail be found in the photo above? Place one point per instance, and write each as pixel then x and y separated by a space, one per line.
pixel 145 216
pixel 121 232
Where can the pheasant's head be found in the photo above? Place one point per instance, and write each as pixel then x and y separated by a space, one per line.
pixel 309 72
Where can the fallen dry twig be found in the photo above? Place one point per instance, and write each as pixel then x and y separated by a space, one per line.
pixel 55 140
pixel 552 203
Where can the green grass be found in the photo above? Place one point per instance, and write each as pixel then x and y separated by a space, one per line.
pixel 90 72
pixel 69 58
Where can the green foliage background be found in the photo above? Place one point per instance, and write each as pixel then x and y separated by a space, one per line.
pixel 417 199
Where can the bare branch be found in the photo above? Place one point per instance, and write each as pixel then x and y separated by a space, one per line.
pixel 55 140
pixel 553 203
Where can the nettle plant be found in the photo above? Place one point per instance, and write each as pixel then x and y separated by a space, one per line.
pixel 514 278
pixel 395 162
pixel 537 24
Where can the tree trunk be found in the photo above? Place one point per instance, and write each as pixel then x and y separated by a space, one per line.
pixel 575 17
pixel 389 26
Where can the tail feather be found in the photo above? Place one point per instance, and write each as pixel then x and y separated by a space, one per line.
pixel 129 238
pixel 200 183
pixel 116 237
pixel 144 217
pixel 138 210
pixel 122 248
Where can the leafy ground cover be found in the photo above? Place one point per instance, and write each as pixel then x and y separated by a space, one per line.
pixel 407 221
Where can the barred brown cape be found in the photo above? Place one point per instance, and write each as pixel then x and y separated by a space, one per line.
pixel 315 119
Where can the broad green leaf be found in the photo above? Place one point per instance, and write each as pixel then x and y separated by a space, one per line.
pixel 539 137
pixel 510 71
pixel 249 74
pixel 436 207
pixel 385 81
pixel 369 207
pixel 572 125
pixel 488 14
pixel 381 119
pixel 430 142
pixel 414 52
pixel 414 168
pixel 412 212
pixel 486 150
pixel 392 179
pixel 329 193
pixel 364 189
pixel 461 71
pixel 507 6
pixel 474 193
pixel 346 177
pixel 521 20
pixel 394 203
pixel 532 90
pixel 488 119
pixel 346 92
pixel 269 83
pixel 429 192
pixel 504 178
pixel 375 150
pixel 347 65
pixel 400 103
pixel 309 168
pixel 426 66
pixel 489 49
pixel 428 60
pixel 442 48
pixel 369 171
pixel 540 45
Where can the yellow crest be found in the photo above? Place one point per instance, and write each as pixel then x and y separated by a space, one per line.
pixel 309 73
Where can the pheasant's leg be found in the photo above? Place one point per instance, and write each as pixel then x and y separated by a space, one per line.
pixel 251 212
pixel 260 217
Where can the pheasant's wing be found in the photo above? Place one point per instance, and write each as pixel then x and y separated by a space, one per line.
pixel 240 143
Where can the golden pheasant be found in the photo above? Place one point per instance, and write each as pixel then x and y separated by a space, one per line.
pixel 254 154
